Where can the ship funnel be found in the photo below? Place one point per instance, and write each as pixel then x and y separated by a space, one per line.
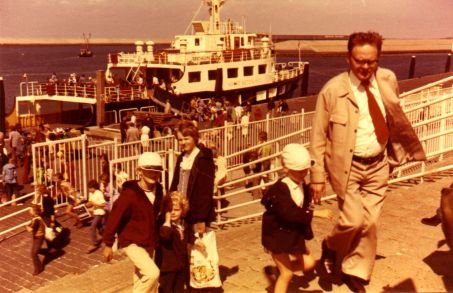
pixel 150 46
pixel 139 46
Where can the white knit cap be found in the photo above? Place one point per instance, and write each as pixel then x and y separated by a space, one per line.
pixel 150 161
pixel 296 157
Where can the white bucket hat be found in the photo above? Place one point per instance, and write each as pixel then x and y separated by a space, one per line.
pixel 296 157
pixel 150 161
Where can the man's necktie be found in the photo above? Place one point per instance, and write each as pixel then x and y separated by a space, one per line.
pixel 380 126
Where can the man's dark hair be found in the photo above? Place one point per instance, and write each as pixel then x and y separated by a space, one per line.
pixel 362 38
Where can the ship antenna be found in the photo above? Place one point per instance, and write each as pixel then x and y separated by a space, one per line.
pixel 193 18
pixel 270 33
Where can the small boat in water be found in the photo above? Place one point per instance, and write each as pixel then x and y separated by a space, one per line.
pixel 85 51
pixel 218 60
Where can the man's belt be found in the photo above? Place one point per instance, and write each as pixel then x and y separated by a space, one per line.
pixel 368 160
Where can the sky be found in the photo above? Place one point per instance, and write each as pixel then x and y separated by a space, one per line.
pixel 162 19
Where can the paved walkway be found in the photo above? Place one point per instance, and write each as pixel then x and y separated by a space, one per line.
pixel 411 256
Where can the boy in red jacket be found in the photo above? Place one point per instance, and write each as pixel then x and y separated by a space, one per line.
pixel 133 218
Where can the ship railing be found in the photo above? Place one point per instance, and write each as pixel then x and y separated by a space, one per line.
pixel 118 93
pixel 35 88
pixel 286 74
pixel 199 57
pixel 230 27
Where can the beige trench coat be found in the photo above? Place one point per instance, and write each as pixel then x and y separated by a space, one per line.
pixel 335 126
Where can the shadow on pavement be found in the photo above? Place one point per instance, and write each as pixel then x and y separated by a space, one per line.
pixel 225 272
pixel 440 262
pixel 404 286
pixel 51 256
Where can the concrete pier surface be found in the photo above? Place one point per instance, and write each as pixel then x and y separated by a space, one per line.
pixel 412 257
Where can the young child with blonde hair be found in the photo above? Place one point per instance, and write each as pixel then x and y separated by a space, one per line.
pixel 171 254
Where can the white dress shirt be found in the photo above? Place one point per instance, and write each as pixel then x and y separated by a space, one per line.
pixel 297 193
pixel 366 144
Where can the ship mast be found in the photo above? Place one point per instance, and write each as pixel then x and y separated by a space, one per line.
pixel 214 18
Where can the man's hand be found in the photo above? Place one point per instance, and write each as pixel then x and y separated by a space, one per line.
pixel 108 253
pixel 318 190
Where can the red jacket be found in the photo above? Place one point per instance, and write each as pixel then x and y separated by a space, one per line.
pixel 133 217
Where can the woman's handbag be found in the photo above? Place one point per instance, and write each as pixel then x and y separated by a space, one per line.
pixel 49 233
pixel 204 265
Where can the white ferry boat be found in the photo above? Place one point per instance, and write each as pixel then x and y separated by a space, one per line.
pixel 219 59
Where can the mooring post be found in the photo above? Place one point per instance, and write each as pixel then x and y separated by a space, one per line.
pixel 2 106
pixel 412 67
pixel 304 86
pixel 100 109
pixel 447 64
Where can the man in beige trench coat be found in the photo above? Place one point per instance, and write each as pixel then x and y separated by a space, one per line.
pixel 359 131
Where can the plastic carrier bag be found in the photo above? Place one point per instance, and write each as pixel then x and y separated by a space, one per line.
pixel 204 265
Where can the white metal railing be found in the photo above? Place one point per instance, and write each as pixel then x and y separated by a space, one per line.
pixel 35 88
pixel 80 159
pixel 199 57
pixel 435 132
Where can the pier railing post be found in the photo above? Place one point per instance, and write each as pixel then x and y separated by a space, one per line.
pixel 443 128
pixel 267 123
pixel 225 138
pixel 84 165
pixel 2 106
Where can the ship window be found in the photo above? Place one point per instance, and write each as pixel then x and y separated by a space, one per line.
pixel 232 72
pixel 212 74
pixel 237 42
pixel 197 42
pixel 248 70
pixel 262 68
pixel 195 76
pixel 242 42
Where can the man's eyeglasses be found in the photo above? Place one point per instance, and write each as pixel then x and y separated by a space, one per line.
pixel 364 61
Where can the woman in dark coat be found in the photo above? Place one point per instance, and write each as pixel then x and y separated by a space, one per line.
pixel 194 177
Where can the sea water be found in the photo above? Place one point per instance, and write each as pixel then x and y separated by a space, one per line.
pixel 38 62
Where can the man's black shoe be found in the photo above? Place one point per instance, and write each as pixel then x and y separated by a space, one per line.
pixel 433 221
pixel 328 258
pixel 355 284
pixel 271 273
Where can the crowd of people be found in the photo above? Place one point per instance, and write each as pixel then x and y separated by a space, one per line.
pixel 214 112
pixel 357 119
pixel 16 156
pixel 72 79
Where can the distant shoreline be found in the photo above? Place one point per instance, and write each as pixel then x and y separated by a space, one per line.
pixel 295 53
pixel 284 48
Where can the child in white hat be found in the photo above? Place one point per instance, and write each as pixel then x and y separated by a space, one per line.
pixel 287 219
